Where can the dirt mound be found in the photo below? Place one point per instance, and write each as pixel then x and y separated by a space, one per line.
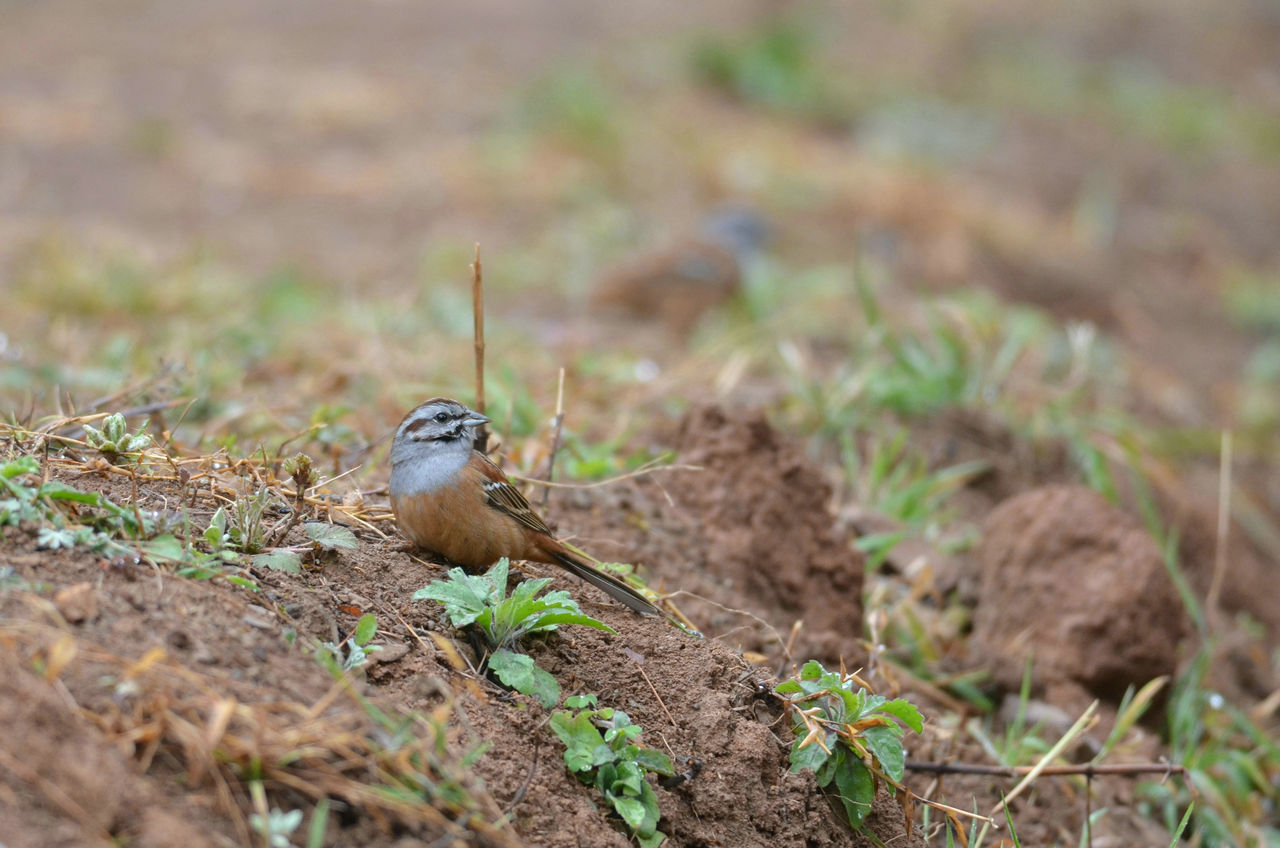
pixel 748 537
pixel 1079 585
pixel 64 786
pixel 128 725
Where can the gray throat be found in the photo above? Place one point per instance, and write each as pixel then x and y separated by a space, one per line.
pixel 426 469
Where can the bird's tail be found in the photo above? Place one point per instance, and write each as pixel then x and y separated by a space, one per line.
pixel 607 583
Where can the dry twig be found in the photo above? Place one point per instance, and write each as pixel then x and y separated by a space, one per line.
pixel 477 306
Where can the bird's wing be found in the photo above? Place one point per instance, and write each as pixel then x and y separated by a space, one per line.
pixel 506 498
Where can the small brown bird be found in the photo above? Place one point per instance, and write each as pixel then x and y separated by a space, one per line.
pixel 451 500
pixel 680 284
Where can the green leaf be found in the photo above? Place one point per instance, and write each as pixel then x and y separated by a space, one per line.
pixel 811 756
pixel 558 618
pixel 857 789
pixel 59 491
pixel 653 840
pixel 21 465
pixel 605 775
pixel 464 597
pixel 905 710
pixel 788 687
pixel 655 761
pixel 319 823
pixel 279 560
pixel 520 673
pixel 163 547
pixel 331 537
pixel 366 628
pixel 651 812
pixel 577 760
pixel 812 670
pixel 628 778
pixel 632 811
pixel 853 704
pixel 886 747
pixel 497 578
pixel 217 529
pixel 603 754
pixel 827 772
pixel 243 582
pixel 620 727
pixel 525 592
pixel 577 702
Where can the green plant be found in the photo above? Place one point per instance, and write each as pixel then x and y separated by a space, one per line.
pixel 888 477
pixel 352 652
pixel 847 738
pixel 244 528
pixel 1019 744
pixel 114 440
pixel 774 65
pixel 481 602
pixel 614 762
pixel 67 517
pixel 575 106
pixel 220 538
pixel 1232 765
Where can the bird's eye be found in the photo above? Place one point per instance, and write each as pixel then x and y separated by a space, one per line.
pixel 442 417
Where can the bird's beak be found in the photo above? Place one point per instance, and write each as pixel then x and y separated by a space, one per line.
pixel 475 419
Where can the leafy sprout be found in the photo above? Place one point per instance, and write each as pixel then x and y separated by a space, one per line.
pixel 847 738
pixel 602 749
pixel 481 602
pixel 353 652
pixel 114 439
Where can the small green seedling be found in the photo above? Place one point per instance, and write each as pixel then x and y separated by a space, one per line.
pixel 481 602
pixel 114 439
pixel 845 737
pixel 67 517
pixel 353 652
pixel 614 763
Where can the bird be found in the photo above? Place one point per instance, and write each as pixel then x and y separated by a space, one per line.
pixel 450 499
pixel 678 285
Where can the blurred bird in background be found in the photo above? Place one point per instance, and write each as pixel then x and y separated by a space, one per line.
pixel 678 285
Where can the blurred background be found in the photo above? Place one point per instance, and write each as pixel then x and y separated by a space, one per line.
pixel 272 207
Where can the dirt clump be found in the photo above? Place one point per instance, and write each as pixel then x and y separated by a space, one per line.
pixel 63 784
pixel 769 543
pixel 1079 585
pixel 747 541
pixel 189 650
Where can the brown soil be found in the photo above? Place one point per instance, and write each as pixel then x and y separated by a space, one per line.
pixel 696 697
pixel 97 746
pixel 745 536
pixel 1080 586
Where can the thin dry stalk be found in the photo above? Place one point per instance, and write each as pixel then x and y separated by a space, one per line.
pixel 1085 720
pixel 648 468
pixel 776 635
pixel 654 689
pixel 477 306
pixel 1085 770
pixel 557 426
pixel 1224 528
